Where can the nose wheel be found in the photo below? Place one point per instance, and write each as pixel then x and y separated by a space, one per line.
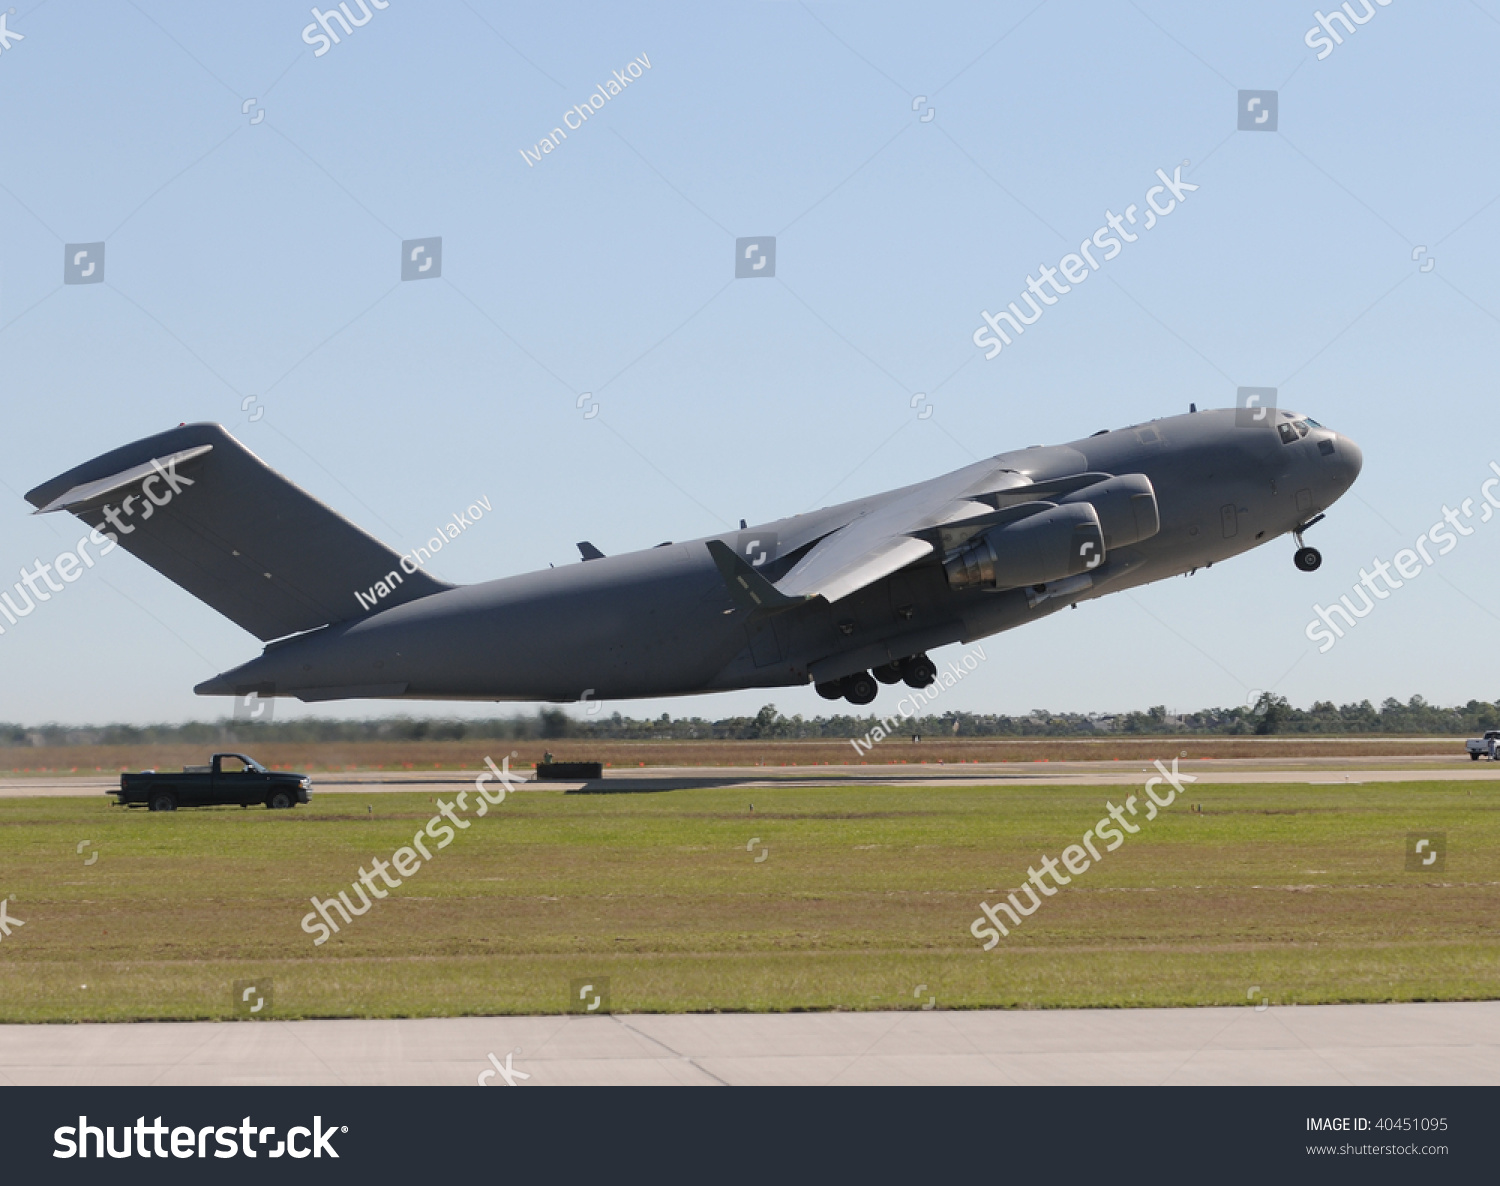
pixel 1306 559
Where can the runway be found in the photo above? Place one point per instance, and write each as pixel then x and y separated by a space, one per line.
pixel 1207 772
pixel 1347 1045
pixel 1381 1044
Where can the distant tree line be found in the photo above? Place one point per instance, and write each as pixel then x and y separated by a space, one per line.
pixel 1271 714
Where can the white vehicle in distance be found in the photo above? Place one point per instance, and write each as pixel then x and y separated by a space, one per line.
pixel 1481 748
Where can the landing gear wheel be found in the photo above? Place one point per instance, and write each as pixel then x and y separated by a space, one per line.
pixel 162 801
pixel 1308 559
pixel 833 690
pixel 859 688
pixel 919 671
pixel 888 673
pixel 279 800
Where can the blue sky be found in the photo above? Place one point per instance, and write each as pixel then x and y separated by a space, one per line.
pixel 252 254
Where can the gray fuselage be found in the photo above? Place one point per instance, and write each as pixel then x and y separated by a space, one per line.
pixel 661 622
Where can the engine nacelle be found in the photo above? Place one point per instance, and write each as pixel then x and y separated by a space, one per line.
pixel 1126 506
pixel 1048 546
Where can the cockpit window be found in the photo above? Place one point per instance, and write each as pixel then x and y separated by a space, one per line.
pixel 1313 423
pixel 1292 430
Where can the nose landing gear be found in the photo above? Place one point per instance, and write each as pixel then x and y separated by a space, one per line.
pixel 1307 559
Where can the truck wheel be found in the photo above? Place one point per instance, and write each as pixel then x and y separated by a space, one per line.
pixel 279 800
pixel 162 801
pixel 1473 757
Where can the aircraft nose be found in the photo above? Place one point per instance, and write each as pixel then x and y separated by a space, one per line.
pixel 1350 459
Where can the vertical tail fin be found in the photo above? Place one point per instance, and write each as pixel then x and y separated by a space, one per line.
pixel 209 515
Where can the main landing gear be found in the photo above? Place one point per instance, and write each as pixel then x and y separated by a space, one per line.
pixel 1307 559
pixel 917 671
pixel 859 688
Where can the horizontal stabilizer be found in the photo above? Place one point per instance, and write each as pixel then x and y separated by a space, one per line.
pixel 206 513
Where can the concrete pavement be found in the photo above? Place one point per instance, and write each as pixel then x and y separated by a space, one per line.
pixel 1398 1044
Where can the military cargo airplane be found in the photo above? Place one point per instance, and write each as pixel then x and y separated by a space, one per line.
pixel 848 597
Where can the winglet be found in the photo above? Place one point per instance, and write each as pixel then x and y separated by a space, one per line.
pixel 749 589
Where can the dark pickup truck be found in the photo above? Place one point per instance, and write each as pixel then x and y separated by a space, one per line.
pixel 229 779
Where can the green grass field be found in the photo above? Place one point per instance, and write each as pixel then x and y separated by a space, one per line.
pixel 865 894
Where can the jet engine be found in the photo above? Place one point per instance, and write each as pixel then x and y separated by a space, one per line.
pixel 1047 546
pixel 1126 506
pixel 1067 539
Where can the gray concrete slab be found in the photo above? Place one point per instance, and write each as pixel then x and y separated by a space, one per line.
pixel 1371 1045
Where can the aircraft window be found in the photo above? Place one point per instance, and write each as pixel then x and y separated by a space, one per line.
pixel 1288 433
pixel 1313 423
pixel 1300 426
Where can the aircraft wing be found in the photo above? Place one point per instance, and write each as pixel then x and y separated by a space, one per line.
pixel 893 534
pixel 849 560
